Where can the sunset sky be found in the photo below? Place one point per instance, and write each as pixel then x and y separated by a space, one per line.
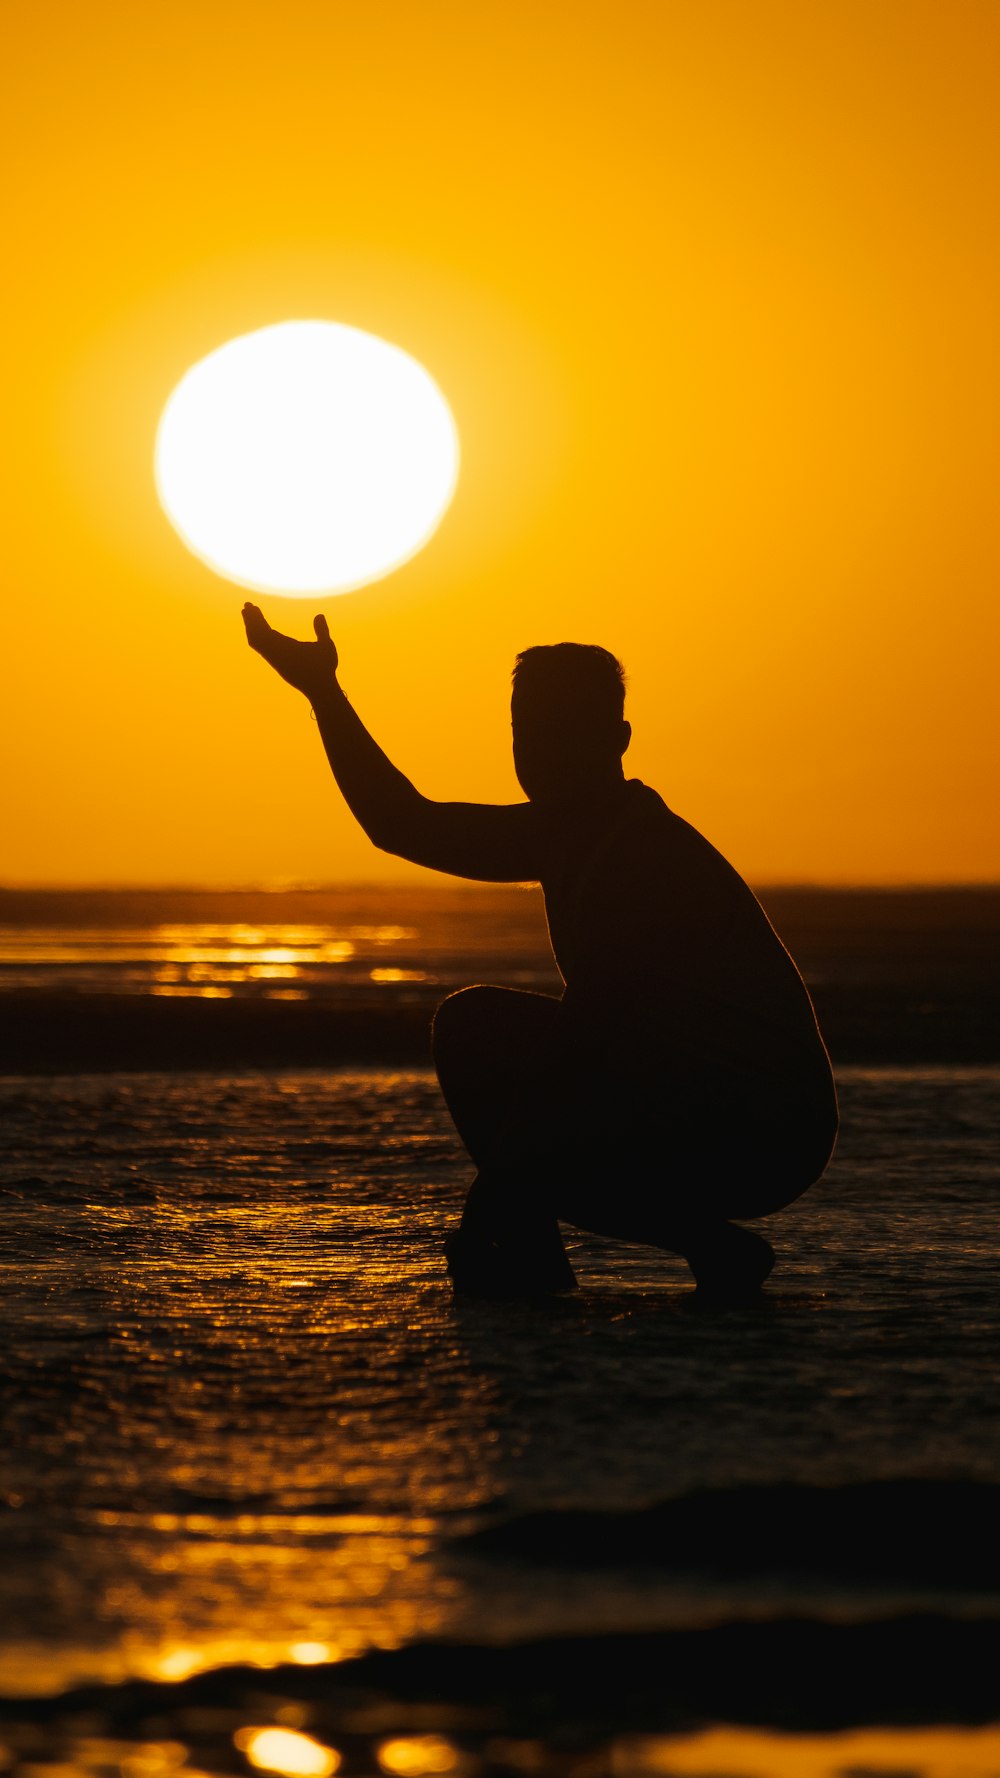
pixel 712 289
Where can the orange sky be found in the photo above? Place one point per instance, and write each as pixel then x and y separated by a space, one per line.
pixel 712 290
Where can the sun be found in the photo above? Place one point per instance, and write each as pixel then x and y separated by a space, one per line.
pixel 306 458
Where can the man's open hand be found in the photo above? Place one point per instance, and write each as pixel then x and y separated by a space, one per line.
pixel 309 666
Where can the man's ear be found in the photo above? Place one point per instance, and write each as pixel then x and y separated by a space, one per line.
pixel 626 735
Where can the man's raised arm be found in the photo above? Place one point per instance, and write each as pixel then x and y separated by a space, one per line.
pixel 491 842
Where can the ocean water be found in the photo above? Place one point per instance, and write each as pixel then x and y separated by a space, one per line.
pixel 259 1463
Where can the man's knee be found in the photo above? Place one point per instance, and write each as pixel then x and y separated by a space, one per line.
pixel 459 1018
pixel 489 1031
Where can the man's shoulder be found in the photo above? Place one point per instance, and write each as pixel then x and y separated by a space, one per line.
pixel 664 834
pixel 643 797
pixel 648 808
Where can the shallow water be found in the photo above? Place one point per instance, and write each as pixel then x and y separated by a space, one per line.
pixel 246 1419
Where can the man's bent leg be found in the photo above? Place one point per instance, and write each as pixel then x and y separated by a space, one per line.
pixel 673 1163
pixel 500 1062
pixel 507 1243
pixel 728 1263
pixel 497 1055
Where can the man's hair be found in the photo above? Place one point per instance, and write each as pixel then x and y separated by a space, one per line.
pixel 576 677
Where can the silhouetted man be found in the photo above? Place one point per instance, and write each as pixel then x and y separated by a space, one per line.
pixel 681 1080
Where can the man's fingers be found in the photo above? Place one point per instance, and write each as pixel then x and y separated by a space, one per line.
pixel 322 628
pixel 256 625
pixel 253 617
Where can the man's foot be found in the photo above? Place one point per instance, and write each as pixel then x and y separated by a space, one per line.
pixel 730 1264
pixel 478 1268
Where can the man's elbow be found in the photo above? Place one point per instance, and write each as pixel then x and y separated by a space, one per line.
pixel 389 843
pixel 383 835
pixel 397 830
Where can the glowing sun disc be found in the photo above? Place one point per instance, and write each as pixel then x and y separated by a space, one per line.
pixel 306 458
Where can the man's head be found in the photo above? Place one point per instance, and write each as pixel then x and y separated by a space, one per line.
pixel 569 730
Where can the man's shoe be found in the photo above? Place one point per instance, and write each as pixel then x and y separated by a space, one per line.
pixel 730 1266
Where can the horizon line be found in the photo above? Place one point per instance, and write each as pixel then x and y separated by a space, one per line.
pixel 311 886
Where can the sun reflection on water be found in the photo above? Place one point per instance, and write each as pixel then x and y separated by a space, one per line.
pixel 418 1756
pixel 311 1654
pixel 190 990
pixel 287 1751
pixel 204 959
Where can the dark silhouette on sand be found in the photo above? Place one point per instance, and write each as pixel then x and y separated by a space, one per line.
pixel 681 1081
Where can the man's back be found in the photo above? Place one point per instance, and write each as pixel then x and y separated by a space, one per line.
pixel 656 933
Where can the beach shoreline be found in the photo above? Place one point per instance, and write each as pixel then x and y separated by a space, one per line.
pixel 58 1033
pixel 790 1672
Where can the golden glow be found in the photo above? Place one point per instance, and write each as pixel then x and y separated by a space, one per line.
pixel 306 458
pixel 287 1751
pixel 418 1755
pixel 760 1753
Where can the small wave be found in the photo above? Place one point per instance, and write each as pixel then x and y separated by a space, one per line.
pixel 921 1532
pixel 791 1672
